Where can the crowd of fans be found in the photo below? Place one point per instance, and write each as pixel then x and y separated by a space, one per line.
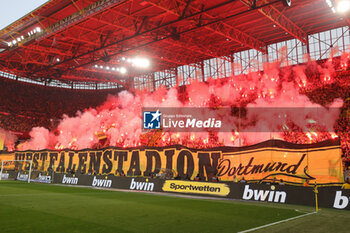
pixel 24 106
pixel 323 94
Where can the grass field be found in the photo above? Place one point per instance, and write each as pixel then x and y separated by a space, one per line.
pixel 50 208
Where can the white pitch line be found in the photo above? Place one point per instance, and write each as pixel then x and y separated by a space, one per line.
pixel 274 223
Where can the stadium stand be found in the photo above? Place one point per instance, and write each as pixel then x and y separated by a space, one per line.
pixel 24 106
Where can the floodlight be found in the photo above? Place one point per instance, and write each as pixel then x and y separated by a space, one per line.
pixel 141 62
pixel 343 6
pixel 123 70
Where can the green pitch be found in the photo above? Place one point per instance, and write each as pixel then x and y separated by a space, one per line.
pixel 51 208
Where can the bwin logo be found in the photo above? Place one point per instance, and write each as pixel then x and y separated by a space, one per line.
pixel 151 120
pixel 69 180
pixel 43 179
pixel 340 201
pixel 101 183
pixel 22 177
pixel 145 186
pixel 262 195
pixel 5 176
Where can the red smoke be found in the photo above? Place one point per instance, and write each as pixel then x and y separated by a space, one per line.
pixel 119 118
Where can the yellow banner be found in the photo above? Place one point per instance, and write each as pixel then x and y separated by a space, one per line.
pixel 2 140
pixel 321 165
pixel 269 160
pixel 193 187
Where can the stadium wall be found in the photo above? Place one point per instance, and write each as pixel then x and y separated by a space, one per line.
pixel 328 197
pixel 322 196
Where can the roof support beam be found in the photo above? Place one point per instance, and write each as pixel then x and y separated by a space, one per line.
pixel 114 80
pixel 220 27
pixel 164 37
pixel 42 49
pixel 186 8
pixel 280 19
pixel 75 18
pixel 156 28
pixel 138 31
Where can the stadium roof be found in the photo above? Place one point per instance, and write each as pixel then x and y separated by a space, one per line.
pixel 71 39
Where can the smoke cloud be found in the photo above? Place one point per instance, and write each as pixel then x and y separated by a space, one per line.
pixel 119 119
